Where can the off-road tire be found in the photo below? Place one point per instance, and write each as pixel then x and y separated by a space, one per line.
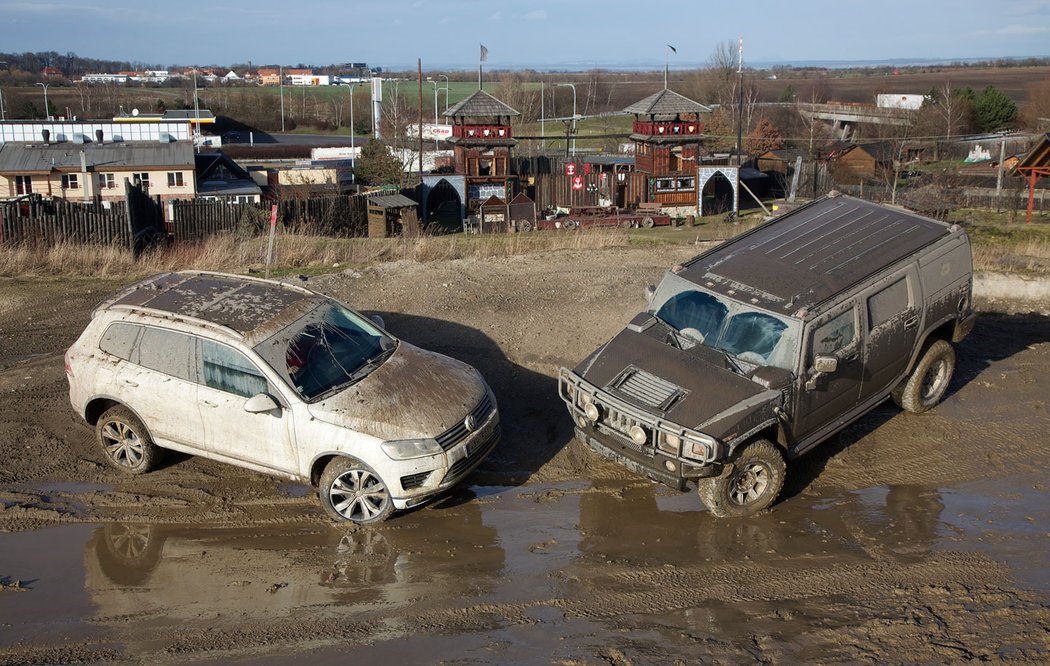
pixel 342 478
pixel 125 441
pixel 929 380
pixel 753 484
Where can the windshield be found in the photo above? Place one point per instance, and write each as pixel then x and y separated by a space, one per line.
pixel 328 349
pixel 747 333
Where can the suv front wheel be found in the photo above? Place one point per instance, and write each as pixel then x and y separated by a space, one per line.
pixel 752 485
pixel 126 443
pixel 350 490
pixel 929 380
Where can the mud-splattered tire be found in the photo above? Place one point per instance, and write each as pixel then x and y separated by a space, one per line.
pixel 929 380
pixel 125 442
pixel 351 491
pixel 753 485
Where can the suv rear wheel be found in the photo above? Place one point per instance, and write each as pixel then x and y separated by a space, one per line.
pixel 756 480
pixel 350 490
pixel 929 380
pixel 126 443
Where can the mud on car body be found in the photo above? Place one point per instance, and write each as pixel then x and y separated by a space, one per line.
pixel 756 351
pixel 282 380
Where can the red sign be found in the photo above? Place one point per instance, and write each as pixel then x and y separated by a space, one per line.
pixel 586 169
pixel 577 182
pixel 570 169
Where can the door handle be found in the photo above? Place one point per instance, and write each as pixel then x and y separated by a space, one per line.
pixel 128 382
pixel 852 356
pixel 912 323
pixel 210 404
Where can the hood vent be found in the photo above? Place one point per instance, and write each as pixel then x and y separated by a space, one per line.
pixel 647 389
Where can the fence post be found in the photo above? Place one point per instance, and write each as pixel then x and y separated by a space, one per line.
pixel 273 232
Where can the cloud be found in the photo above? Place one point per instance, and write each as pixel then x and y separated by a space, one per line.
pixel 1016 30
pixel 536 15
pixel 498 16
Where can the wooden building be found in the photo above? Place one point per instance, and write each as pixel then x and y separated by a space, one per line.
pixel 482 144
pixel 1034 165
pixel 668 134
pixel 392 215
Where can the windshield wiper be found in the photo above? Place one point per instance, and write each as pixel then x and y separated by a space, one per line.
pixel 732 361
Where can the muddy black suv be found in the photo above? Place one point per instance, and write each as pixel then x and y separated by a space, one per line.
pixel 756 351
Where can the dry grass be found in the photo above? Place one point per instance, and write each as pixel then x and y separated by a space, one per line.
pixel 291 252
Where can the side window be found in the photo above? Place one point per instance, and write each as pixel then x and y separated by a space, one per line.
pixel 888 303
pixel 834 335
pixel 119 340
pixel 226 369
pixel 168 352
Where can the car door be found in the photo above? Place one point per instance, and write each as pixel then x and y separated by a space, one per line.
pixel 160 385
pixel 823 398
pixel 892 326
pixel 228 378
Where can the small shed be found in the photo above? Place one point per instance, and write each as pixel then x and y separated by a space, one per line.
pixel 392 215
pixel 522 213
pixel 495 215
pixel 1034 165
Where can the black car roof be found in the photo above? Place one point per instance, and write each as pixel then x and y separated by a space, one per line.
pixel 808 255
pixel 238 303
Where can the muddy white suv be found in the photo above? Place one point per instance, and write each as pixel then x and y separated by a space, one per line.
pixel 753 353
pixel 281 380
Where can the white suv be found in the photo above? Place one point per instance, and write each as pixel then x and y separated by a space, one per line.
pixel 278 379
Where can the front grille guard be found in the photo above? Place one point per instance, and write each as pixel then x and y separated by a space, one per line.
pixel 618 416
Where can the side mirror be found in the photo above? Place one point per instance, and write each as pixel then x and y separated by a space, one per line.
pixel 826 365
pixel 259 403
pixel 822 365
pixel 650 291
pixel 378 321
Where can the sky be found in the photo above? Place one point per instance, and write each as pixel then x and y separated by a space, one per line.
pixel 543 34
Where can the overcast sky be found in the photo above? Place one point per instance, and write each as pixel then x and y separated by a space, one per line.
pixel 529 33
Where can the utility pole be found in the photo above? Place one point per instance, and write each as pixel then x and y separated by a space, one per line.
pixel 740 104
pixel 573 86
pixel 419 76
pixel 281 76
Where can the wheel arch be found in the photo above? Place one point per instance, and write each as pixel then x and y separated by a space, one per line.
pixel 943 330
pixel 771 429
pixel 99 405
pixel 321 461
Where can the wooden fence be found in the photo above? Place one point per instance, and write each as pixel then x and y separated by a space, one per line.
pixel 39 222
pixel 330 216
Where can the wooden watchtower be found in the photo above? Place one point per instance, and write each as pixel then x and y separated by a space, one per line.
pixel 482 144
pixel 667 134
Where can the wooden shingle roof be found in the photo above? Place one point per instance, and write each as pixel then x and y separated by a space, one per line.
pixel 666 103
pixel 480 103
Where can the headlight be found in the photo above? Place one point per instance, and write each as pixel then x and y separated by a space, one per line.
pixel 404 449
pixel 698 449
pixel 669 443
pixel 638 435
pixel 593 412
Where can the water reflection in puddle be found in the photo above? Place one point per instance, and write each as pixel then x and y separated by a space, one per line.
pixel 533 549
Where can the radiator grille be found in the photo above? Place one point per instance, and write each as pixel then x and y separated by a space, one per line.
pixel 647 389
pixel 454 435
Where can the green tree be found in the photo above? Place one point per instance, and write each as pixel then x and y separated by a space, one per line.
pixel 376 166
pixel 994 110
pixel 787 95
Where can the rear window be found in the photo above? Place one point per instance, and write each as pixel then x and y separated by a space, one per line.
pixel 119 339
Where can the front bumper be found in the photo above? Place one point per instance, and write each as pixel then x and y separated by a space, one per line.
pixel 462 460
pixel 608 436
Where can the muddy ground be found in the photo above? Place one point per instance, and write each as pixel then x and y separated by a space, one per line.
pixel 904 539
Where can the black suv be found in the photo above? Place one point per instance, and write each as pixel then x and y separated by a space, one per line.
pixel 756 351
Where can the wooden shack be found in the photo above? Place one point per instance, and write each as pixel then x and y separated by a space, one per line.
pixel 392 215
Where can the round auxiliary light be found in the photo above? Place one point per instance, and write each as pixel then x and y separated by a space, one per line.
pixel 637 434
pixel 673 440
pixel 582 422
pixel 670 466
pixel 592 412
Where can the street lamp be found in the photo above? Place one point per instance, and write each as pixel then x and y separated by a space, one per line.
pixel 446 89
pixel 435 84
pixel 573 86
pixel 350 89
pixel 280 76
pixel 3 113
pixel 47 109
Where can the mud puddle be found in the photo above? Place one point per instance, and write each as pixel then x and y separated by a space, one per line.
pixel 570 571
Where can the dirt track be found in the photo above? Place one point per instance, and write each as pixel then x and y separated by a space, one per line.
pixel 906 538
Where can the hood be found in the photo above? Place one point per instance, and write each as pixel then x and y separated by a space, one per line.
pixel 415 394
pixel 705 387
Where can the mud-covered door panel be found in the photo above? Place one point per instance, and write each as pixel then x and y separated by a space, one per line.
pixel 228 380
pixel 893 323
pixel 825 396
pixel 160 385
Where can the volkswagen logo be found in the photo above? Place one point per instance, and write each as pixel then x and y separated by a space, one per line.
pixel 470 423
